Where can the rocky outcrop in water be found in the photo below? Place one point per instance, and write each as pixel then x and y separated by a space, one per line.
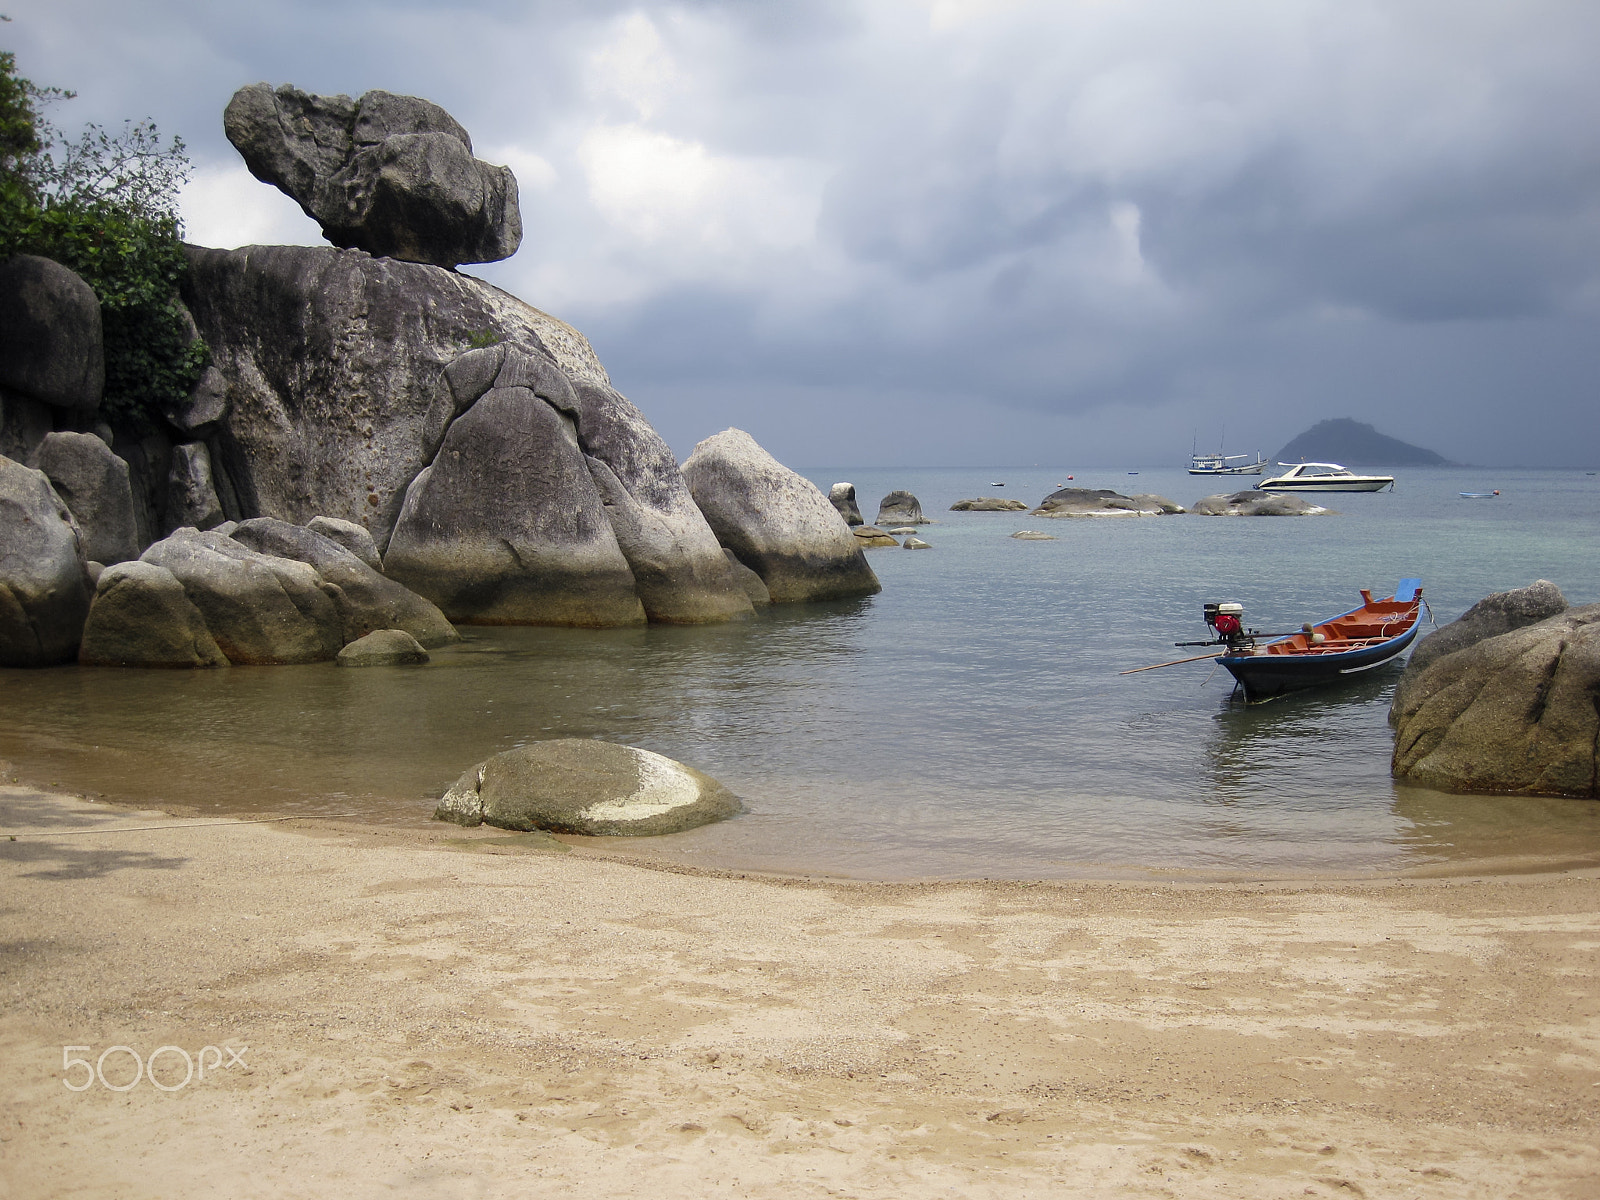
pixel 1511 711
pixel 1102 502
pixel 392 175
pixel 988 504
pixel 383 648
pixel 579 785
pixel 776 522
pixel 900 508
pixel 93 483
pixel 843 497
pixel 44 575
pixel 868 536
pixel 1257 504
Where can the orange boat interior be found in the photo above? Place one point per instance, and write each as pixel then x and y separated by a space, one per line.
pixel 1375 621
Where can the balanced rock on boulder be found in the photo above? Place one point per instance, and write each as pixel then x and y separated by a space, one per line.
pixel 776 522
pixel 392 175
pixel 577 785
pixel 1504 712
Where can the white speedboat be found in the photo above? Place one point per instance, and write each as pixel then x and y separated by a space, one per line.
pixel 1323 477
pixel 1229 464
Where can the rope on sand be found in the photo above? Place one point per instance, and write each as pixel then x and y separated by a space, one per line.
pixel 48 833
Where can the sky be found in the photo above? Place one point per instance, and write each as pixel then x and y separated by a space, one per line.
pixel 976 232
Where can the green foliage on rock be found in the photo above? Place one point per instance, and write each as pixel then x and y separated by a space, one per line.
pixel 104 205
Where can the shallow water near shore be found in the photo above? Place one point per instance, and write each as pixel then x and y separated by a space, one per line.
pixel 967 722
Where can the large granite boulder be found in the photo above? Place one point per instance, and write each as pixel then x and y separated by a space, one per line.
pixel 776 522
pixel 1493 615
pixel 1254 503
pixel 678 566
pixel 1102 502
pixel 506 525
pixel 92 482
pixel 392 175
pixel 367 601
pixel 1512 712
pixel 577 785
pixel 259 608
pixel 900 508
pixel 843 497
pixel 988 504
pixel 51 347
pixel 44 575
pixel 142 617
pixel 337 393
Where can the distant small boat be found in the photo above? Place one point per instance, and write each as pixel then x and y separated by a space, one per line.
pixel 1226 464
pixel 1133 472
pixel 1323 477
pixel 992 483
pixel 1480 495
pixel 1359 640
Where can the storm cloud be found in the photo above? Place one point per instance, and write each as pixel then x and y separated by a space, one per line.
pixel 926 233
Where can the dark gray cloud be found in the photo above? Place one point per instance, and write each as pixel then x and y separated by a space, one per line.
pixel 971 230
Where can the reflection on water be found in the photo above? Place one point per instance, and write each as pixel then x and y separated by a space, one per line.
pixel 968 721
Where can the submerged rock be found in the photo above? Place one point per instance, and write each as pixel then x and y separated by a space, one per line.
pixel 988 504
pixel 871 535
pixel 578 785
pixel 1254 503
pixel 915 543
pixel 383 648
pixel 776 522
pixel 1033 535
pixel 1510 712
pixel 1102 502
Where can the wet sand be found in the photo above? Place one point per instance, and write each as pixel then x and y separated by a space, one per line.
pixel 450 1013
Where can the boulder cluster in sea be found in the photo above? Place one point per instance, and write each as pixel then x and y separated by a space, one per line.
pixel 379 443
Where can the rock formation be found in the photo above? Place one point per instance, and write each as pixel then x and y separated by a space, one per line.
pixel 51 348
pixel 354 538
pixel 44 576
pixel 578 785
pixel 776 522
pixel 1512 711
pixel 900 508
pixel 142 617
pixel 383 648
pixel 843 497
pixel 1257 504
pixel 1102 502
pixel 868 536
pixel 392 175
pixel 1493 615
pixel 988 504
pixel 93 483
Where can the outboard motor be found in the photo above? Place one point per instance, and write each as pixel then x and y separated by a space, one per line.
pixel 1227 620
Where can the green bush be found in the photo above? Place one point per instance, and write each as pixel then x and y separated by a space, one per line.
pixel 106 206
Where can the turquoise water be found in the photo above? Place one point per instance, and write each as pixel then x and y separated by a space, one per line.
pixel 967 722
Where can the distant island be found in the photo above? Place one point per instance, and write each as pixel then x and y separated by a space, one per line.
pixel 1345 442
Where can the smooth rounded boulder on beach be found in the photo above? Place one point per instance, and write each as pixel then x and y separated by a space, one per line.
pixel 900 508
pixel 367 601
pixel 776 522
pixel 261 609
pixel 141 617
pixel 583 786
pixel 44 574
pixel 1253 503
pixel 94 483
pixel 1511 712
pixel 1493 615
pixel 383 648
pixel 988 504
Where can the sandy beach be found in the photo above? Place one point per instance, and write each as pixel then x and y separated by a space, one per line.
pixel 450 1013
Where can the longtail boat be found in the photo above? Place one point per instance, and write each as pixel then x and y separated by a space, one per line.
pixel 1362 639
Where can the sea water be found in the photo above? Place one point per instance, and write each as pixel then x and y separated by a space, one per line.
pixel 969 721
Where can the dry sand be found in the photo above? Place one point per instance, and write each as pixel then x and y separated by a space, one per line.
pixel 438 1013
